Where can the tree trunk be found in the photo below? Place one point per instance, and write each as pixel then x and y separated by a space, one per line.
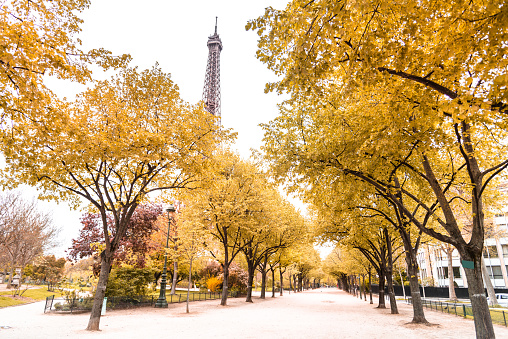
pixel 300 282
pixel 294 283
pixel 451 280
pixel 391 293
pixel 370 286
pixel 361 287
pixel 9 282
pixel 263 284
pixel 190 283
pixel 355 284
pixel 381 290
pixel 250 280
pixel 402 283
pixel 175 277
pixel 281 282
pixel 224 299
pixel 412 270
pixel 488 283
pixel 95 316
pixel 344 283
pixel 482 318
pixel 389 273
pixel 273 283
pixel 364 288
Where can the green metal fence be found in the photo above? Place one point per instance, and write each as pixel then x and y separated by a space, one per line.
pixel 77 305
pixel 463 310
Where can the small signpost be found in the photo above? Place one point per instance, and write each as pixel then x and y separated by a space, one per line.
pixel 103 311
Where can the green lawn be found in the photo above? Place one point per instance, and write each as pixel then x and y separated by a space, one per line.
pixel 5 301
pixel 497 315
pixel 33 294
pixel 168 291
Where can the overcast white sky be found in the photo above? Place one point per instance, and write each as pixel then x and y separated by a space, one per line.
pixel 174 34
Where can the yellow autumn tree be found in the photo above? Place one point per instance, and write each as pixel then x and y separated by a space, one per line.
pixel 228 207
pixel 39 39
pixel 120 141
pixel 384 90
pixel 191 241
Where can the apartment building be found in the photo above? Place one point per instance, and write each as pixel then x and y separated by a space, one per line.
pixel 433 260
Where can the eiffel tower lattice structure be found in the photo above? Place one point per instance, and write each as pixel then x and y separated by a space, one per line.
pixel 211 90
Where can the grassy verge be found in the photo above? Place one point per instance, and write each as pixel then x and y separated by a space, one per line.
pixel 6 301
pixel 6 298
pixel 498 316
pixel 168 291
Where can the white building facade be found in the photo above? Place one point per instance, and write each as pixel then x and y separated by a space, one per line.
pixel 433 261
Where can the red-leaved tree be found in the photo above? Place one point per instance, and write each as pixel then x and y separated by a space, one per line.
pixel 134 246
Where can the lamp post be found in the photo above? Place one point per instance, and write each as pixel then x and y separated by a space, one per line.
pixel 162 302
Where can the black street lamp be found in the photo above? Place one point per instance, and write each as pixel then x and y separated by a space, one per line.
pixel 162 302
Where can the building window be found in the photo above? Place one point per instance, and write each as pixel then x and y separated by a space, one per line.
pixel 505 251
pixel 490 251
pixel 495 272
pixel 456 272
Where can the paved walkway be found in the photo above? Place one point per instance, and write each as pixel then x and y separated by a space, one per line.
pixel 326 313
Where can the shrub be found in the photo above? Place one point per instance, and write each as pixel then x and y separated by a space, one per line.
pixel 128 281
pixel 212 269
pixel 238 278
pixel 213 283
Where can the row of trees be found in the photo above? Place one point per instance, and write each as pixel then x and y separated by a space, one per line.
pixel 236 211
pixel 245 214
pixel 396 122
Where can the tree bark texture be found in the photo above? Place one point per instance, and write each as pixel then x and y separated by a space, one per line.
pixel 281 281
pixel 381 290
pixel 273 283
pixel 414 287
pixel 364 288
pixel 95 316
pixel 224 299
pixel 262 269
pixel 175 276
pixel 263 284
pixel 482 318
pixel 189 285
pixel 389 273
pixel 250 280
pixel 370 286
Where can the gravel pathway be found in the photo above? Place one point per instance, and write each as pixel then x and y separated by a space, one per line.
pixel 322 313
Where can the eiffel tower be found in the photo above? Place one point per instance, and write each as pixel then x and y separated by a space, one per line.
pixel 211 90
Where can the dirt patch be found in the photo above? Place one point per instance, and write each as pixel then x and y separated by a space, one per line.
pixel 424 325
